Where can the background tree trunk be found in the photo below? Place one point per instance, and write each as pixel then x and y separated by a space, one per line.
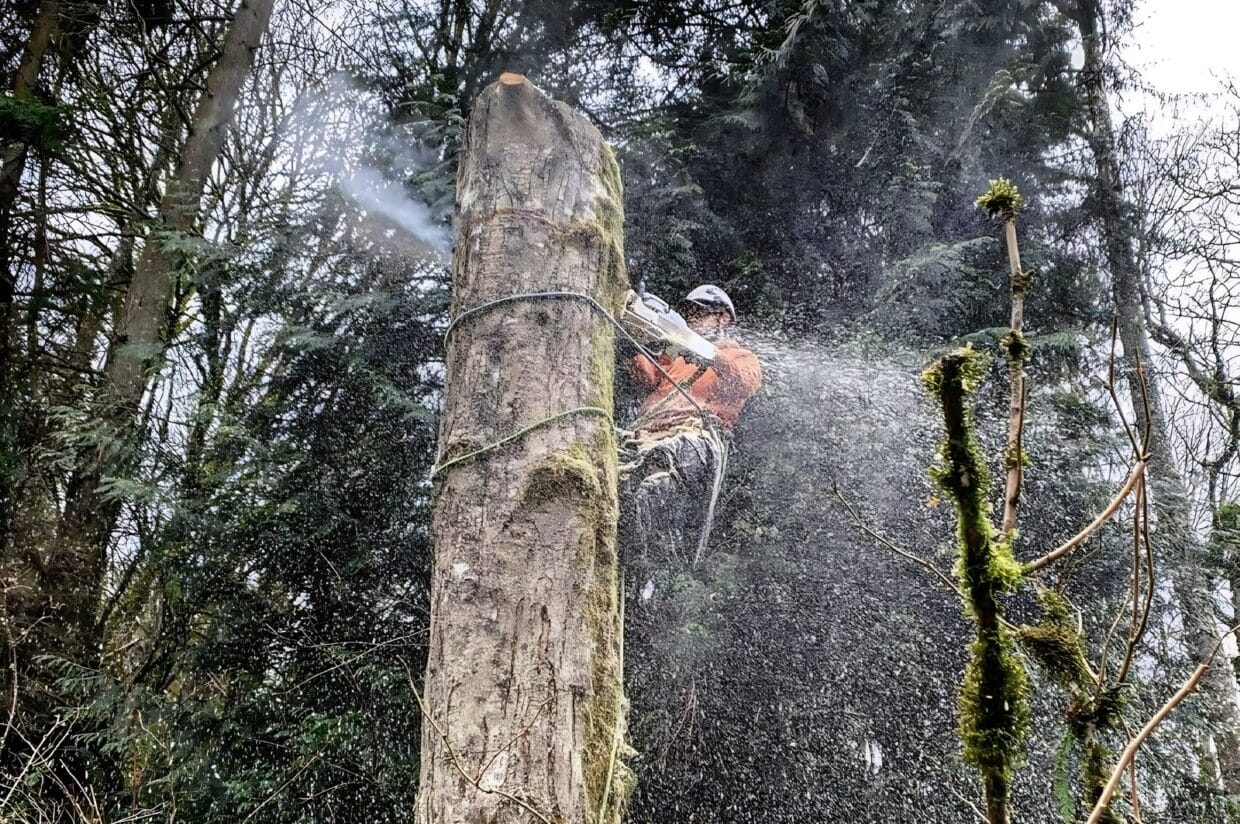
pixel 75 570
pixel 1169 494
pixel 12 167
pixel 523 693
pixel 25 85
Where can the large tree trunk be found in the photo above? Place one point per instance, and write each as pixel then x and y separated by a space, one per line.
pixel 74 572
pixel 523 692
pixel 1168 491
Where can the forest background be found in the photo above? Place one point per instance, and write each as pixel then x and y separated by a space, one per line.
pixel 221 357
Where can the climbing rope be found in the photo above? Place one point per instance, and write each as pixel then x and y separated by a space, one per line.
pixel 474 311
pixel 598 307
pixel 525 430
pixel 721 469
pixel 519 296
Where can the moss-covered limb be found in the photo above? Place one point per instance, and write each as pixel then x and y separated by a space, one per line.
pixel 1015 346
pixel 994 697
pixel 1056 645
pixel 994 710
pixel 1095 770
pixel 985 565
pixel 951 381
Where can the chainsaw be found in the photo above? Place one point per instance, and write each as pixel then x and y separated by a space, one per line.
pixel 659 327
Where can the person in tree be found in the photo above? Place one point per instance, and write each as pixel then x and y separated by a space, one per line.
pixel 677 447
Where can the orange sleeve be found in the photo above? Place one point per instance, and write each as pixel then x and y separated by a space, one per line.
pixel 645 371
pixel 740 374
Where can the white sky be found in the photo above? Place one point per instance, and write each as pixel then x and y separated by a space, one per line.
pixel 1186 46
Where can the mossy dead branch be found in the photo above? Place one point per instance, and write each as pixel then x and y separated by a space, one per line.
pixel 994 697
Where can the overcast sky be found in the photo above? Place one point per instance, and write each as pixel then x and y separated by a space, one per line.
pixel 1186 46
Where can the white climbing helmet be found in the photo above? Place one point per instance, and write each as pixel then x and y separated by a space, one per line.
pixel 711 297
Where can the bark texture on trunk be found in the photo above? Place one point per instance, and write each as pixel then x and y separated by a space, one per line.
pixel 1174 536
pixel 524 701
pixel 75 570
pixel 146 301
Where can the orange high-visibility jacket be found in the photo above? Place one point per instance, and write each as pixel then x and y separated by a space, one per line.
pixel 722 389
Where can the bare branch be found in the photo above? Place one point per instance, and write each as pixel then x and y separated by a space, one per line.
pixel 1017 351
pixel 1138 472
pixel 859 522
pixel 1134 744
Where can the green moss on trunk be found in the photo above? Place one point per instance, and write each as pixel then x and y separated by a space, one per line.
pixel 608 779
pixel 1015 345
pixel 994 696
pixel 585 474
pixel 1057 648
pixel 609 211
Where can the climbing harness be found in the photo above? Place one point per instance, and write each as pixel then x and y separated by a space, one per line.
pixel 674 454
pixel 662 403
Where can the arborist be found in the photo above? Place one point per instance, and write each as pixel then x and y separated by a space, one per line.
pixel 675 453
